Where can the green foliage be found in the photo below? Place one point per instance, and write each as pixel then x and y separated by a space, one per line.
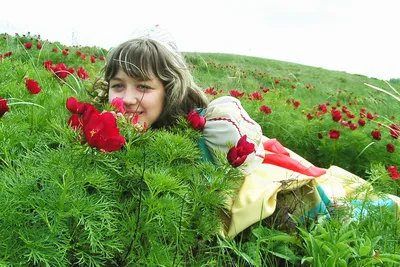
pixel 155 202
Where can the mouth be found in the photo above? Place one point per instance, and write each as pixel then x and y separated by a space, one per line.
pixel 130 115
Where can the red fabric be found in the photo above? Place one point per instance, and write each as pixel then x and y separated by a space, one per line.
pixel 282 159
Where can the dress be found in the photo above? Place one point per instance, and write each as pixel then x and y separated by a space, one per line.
pixel 273 169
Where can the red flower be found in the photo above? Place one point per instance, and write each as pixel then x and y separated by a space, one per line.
pixel 82 74
pixel 336 115
pixel 32 86
pixel 390 148
pixel 238 154
pixel 265 109
pixel 196 120
pixel 370 116
pixel 296 104
pixel 210 91
pixel 61 71
pixel 353 126
pixel 100 130
pixel 393 172
pixel 39 46
pixel 65 52
pixel 118 104
pixel 74 106
pixel 48 65
pixel 257 96
pixel 361 122
pixel 334 134
pixel 310 116
pixel 28 45
pixel 55 50
pixel 3 106
pixel 395 130
pixel 376 135
pixel 75 121
pixel 236 93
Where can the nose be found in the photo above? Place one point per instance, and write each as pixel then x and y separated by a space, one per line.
pixel 130 97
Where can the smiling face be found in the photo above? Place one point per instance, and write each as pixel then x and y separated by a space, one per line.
pixel 143 98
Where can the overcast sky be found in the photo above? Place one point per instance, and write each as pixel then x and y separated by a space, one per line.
pixel 356 36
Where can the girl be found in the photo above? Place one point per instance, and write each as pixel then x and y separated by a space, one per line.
pixel 156 86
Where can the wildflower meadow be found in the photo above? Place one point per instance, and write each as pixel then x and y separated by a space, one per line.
pixel 80 187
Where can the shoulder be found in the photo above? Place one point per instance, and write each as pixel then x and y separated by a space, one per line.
pixel 226 122
pixel 226 116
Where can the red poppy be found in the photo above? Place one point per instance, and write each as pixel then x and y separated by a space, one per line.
pixel 118 104
pixel 361 122
pixel 55 50
pixel 393 172
pixel 265 109
pixel 75 121
pixel 395 130
pixel 257 96
pixel 310 116
pixel 32 86
pixel 28 45
pixel 101 130
pixel 74 106
pixel 353 126
pixel 82 73
pixel 376 135
pixel 334 134
pixel 238 154
pixel 296 104
pixel 3 106
pixel 195 120
pixel 336 115
pixel 61 71
pixel 39 46
pixel 236 93
pixel 370 116
pixel 48 65
pixel 65 52
pixel 390 148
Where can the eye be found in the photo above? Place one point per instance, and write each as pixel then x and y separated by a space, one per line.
pixel 117 87
pixel 143 87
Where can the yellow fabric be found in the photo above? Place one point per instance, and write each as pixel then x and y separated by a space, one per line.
pixel 227 121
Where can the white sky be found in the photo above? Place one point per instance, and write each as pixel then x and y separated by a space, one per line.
pixel 356 36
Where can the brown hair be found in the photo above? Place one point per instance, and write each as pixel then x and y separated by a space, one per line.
pixel 145 58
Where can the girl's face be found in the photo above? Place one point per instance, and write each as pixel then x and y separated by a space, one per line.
pixel 143 98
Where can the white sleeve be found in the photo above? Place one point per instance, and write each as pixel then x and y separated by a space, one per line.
pixel 226 123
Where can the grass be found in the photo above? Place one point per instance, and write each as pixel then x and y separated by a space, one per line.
pixel 153 202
